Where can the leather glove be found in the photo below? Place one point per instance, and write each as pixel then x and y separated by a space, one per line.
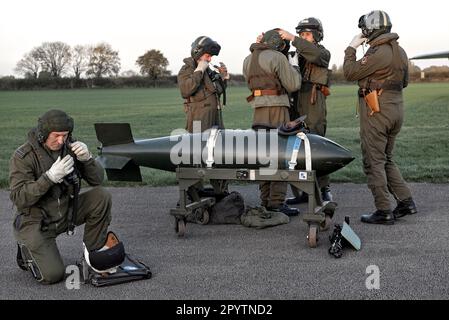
pixel 60 169
pixel 285 35
pixel 223 71
pixel 81 151
pixel 293 60
pixel 202 66
pixel 357 41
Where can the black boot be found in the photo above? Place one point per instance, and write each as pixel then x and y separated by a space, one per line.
pixel 20 262
pixel 379 217
pixel 303 198
pixel 326 194
pixel 405 207
pixel 291 212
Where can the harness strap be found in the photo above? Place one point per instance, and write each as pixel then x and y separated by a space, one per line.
pixel 211 141
pixel 292 163
pixel 301 136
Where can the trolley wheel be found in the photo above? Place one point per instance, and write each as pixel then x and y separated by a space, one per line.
pixel 326 224
pixel 312 237
pixel 200 216
pixel 205 217
pixel 180 227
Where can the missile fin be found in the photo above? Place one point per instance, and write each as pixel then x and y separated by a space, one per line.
pixel 120 168
pixel 110 134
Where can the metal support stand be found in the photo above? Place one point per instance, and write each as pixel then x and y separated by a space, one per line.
pixel 318 215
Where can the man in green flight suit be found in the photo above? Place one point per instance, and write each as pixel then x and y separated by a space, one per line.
pixel 270 78
pixel 382 74
pixel 42 174
pixel 202 87
pixel 313 60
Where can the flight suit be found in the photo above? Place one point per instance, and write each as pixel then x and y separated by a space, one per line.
pixel 201 97
pixel 43 206
pixel 310 100
pixel 268 70
pixel 384 67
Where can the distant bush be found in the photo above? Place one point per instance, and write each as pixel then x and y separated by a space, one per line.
pixel 430 76
pixel 11 83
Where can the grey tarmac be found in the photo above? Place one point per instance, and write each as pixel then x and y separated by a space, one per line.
pixel 235 262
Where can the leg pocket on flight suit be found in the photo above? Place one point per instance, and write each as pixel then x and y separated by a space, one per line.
pixel 22 220
pixel 18 222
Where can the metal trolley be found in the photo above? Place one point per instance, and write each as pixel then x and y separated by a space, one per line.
pixel 318 216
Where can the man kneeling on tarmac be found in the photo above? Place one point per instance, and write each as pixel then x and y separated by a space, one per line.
pixel 45 178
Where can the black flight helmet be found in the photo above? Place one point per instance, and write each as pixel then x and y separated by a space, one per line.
pixel 273 39
pixel 204 45
pixel 313 25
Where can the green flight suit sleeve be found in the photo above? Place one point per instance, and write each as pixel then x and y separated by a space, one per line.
pixel 289 76
pixel 406 73
pixel 189 81
pixel 313 53
pixel 26 189
pixel 91 171
pixel 245 68
pixel 376 58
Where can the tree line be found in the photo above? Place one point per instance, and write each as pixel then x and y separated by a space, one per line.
pixel 57 65
pixel 58 59
pixel 413 69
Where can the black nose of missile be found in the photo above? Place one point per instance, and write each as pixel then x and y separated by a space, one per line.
pixel 327 155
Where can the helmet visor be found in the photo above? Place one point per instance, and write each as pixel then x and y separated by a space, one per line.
pixel 377 20
pixel 212 48
pixel 362 22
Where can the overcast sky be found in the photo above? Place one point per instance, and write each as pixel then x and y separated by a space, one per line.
pixel 134 26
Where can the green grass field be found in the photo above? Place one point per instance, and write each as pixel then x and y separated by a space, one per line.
pixel 422 148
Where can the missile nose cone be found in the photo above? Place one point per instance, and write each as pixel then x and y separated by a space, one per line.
pixel 328 156
pixel 344 156
pixel 344 159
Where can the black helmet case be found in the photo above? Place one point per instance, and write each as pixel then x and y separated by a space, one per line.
pixel 204 45
pixel 106 260
pixel 313 25
pixel 374 24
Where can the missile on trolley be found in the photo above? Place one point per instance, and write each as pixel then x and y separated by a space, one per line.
pixel 121 155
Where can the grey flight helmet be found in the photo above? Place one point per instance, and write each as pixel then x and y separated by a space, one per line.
pixel 53 121
pixel 374 24
pixel 273 39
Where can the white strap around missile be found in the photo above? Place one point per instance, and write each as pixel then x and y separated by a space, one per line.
pixel 211 141
pixel 292 163
pixel 308 154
